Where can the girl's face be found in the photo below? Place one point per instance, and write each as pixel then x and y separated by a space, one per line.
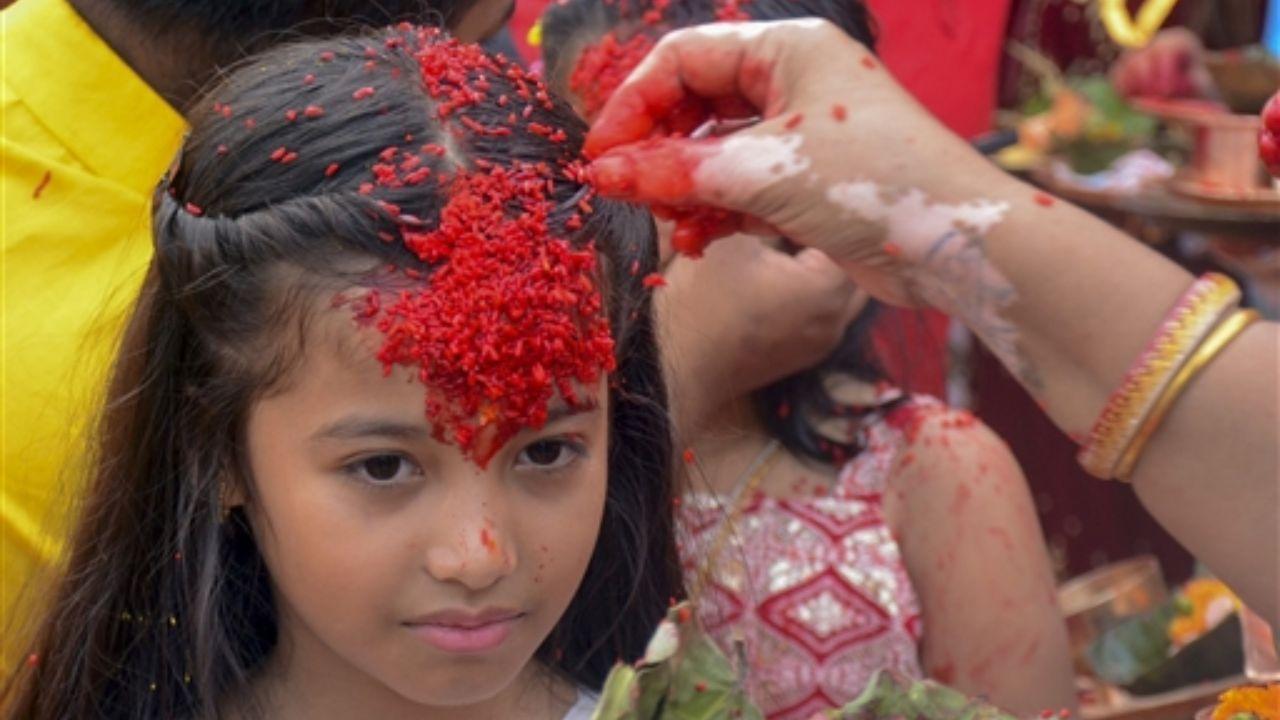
pixel 399 564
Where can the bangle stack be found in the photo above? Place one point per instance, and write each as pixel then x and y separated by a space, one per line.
pixel 1192 334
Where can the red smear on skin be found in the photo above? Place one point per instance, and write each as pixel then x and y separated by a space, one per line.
pixel 1002 536
pixel 510 314
pixel 893 250
pixel 40 186
pixel 697 227
pixel 1044 200
pixel 654 280
pixel 689 457
pixel 944 673
pixel 1030 653
pixel 869 63
pixel 839 112
pixel 794 121
pixel 487 541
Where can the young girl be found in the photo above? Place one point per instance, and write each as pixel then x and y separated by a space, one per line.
pixel 386 436
pixel 844 526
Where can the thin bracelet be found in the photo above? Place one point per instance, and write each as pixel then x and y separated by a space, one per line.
pixel 1192 318
pixel 1221 337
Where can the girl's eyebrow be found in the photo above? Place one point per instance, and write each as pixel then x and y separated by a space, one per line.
pixel 353 427
pixel 561 410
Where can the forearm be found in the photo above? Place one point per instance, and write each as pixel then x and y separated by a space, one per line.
pixel 1087 301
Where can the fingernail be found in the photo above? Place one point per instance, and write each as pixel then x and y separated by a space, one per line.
pixel 613 175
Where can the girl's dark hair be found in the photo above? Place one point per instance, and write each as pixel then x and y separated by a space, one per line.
pixel 788 408
pixel 251 24
pixel 165 611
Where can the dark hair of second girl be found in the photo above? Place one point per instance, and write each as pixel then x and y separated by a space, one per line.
pixel 788 407
pixel 165 608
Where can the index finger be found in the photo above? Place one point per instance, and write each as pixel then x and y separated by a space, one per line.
pixel 717 62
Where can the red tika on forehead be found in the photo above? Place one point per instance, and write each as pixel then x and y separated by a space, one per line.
pixel 511 313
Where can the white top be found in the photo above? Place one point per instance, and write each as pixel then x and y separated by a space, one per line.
pixel 585 706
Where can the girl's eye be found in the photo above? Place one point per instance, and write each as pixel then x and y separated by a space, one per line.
pixel 546 455
pixel 384 469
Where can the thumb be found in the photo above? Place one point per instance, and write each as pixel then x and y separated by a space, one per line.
pixel 730 172
pixel 655 172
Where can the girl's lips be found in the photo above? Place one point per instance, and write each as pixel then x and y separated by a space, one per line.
pixel 460 632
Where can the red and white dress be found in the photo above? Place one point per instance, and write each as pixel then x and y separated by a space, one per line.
pixel 811 593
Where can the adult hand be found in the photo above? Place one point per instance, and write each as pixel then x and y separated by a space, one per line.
pixel 843 161
pixel 745 315
pixel 1172 66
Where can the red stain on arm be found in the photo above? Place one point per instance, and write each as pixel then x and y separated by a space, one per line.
pixel 944 673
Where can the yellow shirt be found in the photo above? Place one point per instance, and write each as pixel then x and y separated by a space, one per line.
pixel 83 141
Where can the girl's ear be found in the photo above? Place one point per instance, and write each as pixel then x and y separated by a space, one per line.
pixel 231 495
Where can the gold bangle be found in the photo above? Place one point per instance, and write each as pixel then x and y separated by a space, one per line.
pixel 1192 318
pixel 1217 341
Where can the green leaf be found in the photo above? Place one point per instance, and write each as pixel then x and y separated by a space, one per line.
pixel 684 676
pixel 890 695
